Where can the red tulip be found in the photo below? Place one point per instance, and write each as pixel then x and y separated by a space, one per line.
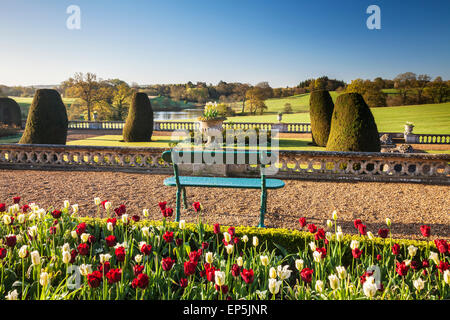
pixel 426 231
pixel 94 279
pixel 114 275
pixel 167 263
pixel 141 281
pixel 120 254
pixel 306 274
pixel 312 228
pixel 302 222
pixel 247 275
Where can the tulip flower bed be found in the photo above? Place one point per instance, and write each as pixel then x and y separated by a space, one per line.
pixel 56 254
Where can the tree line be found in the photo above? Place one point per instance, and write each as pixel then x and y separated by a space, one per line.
pixel 109 99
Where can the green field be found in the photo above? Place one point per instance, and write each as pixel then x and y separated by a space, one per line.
pixel 25 102
pixel 427 118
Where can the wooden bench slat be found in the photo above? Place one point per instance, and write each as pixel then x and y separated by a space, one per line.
pixel 223 182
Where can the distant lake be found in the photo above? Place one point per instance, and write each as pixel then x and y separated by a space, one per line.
pixel 177 115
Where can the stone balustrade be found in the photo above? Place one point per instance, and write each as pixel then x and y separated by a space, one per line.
pixel 309 165
pixel 427 138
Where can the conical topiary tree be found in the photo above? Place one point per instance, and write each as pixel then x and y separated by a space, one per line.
pixel 139 124
pixel 353 127
pixel 320 111
pixel 47 119
pixel 10 113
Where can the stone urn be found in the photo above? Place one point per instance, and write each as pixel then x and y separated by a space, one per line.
pixel 280 117
pixel 211 129
pixel 409 128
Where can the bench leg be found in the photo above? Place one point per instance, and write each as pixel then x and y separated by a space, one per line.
pixel 184 198
pixel 262 210
pixel 178 213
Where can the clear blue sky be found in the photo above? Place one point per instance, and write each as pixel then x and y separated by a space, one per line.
pixel 170 41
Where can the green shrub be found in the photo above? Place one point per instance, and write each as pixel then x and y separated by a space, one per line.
pixel 139 124
pixel 47 119
pixel 320 109
pixel 10 113
pixel 353 127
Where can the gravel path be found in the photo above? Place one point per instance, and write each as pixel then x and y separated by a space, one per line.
pixel 407 205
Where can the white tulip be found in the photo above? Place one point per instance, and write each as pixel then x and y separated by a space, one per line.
pixel 412 251
pixel 317 256
pixel 299 264
pixel 319 286
pixel 370 235
pixel 434 256
pixel 284 273
pixel 12 295
pixel 329 224
pixel 105 257
pixel 240 261
pixel 255 241
pixel 182 224
pixel 334 215
pixel 41 213
pixel 209 257
pixel 339 229
pixel 35 258
pixel 388 222
pixel 74 234
pixel 272 273
pixel 124 218
pixel 334 281
pixel 229 248
pixel 227 236
pixel 264 260
pixel 219 277
pixel 354 244
pixel 75 208
pixel 328 236
pixel 66 204
pixel 44 279
pixel 85 269
pixel 274 286
pixel 146 231
pixel 32 217
pixel 108 206
pixel 369 287
pixel 97 201
pixel 342 273
pixel 110 226
pixel 419 284
pixel 66 257
pixel 85 237
pixel 145 212
pixel 339 236
pixel 66 247
pixel 312 246
pixel 6 219
pixel 138 258
pixel 23 252
pixel 21 218
pixel 447 277
pixel 33 231
pixel 245 238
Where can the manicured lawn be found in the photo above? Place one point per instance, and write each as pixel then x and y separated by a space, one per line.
pixel 427 118
pixel 164 142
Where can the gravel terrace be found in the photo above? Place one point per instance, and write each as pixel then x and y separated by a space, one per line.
pixel 407 205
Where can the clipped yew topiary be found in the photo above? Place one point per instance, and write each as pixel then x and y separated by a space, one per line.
pixel 353 127
pixel 47 119
pixel 139 124
pixel 10 113
pixel 320 111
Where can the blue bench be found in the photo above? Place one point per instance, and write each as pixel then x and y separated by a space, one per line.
pixel 245 157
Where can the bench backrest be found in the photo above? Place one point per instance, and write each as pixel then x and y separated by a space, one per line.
pixel 218 157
